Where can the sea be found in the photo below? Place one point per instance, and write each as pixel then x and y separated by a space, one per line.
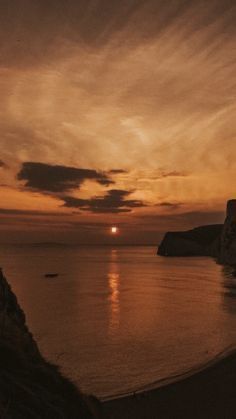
pixel 121 319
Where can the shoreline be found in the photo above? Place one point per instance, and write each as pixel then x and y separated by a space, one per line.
pixel 206 392
pixel 172 379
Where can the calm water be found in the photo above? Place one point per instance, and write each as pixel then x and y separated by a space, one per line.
pixel 118 319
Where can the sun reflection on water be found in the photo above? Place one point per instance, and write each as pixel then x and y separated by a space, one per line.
pixel 114 284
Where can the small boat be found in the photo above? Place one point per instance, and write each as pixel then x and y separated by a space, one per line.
pixel 51 275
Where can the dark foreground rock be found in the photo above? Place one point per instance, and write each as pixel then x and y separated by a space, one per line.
pixel 30 387
pixel 218 241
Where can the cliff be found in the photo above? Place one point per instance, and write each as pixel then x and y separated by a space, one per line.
pixel 227 254
pixel 30 387
pixel 201 241
pixel 218 240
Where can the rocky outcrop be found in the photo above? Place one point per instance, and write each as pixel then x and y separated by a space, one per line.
pixel 218 241
pixel 201 241
pixel 30 387
pixel 227 253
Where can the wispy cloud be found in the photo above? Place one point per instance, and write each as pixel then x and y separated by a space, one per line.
pixel 169 205
pixel 163 175
pixel 140 93
pixel 13 211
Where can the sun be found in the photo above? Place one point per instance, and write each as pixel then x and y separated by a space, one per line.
pixel 114 230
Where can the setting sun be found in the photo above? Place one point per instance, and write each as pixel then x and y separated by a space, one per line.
pixel 114 230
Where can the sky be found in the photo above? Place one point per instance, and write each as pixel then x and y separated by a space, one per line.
pixel 115 112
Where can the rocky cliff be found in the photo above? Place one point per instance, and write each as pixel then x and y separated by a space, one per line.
pixel 201 241
pixel 30 387
pixel 218 240
pixel 227 253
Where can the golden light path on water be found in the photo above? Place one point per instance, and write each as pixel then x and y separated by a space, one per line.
pixel 114 284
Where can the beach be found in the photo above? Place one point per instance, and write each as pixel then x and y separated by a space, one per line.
pixel 209 393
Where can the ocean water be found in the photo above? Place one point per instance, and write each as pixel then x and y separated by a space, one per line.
pixel 118 319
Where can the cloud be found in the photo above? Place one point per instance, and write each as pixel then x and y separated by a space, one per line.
pixel 32 34
pixel 113 202
pixel 56 179
pixel 141 85
pixel 171 174
pixel 117 171
pixel 171 205
pixel 3 165
pixel 13 211
pixel 181 221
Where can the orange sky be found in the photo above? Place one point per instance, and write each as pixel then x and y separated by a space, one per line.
pixel 139 95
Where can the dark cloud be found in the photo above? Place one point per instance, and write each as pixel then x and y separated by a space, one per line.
pixel 113 202
pixel 56 179
pixel 2 164
pixel 117 171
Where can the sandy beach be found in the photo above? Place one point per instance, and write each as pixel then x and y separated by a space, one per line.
pixel 209 393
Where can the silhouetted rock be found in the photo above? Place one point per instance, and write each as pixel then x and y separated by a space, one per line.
pixel 31 387
pixel 228 238
pixel 201 241
pixel 217 240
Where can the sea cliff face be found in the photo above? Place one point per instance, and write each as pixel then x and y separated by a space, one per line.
pixel 30 387
pixel 218 241
pixel 228 238
pixel 201 241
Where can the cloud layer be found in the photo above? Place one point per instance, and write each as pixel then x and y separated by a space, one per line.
pixel 126 95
